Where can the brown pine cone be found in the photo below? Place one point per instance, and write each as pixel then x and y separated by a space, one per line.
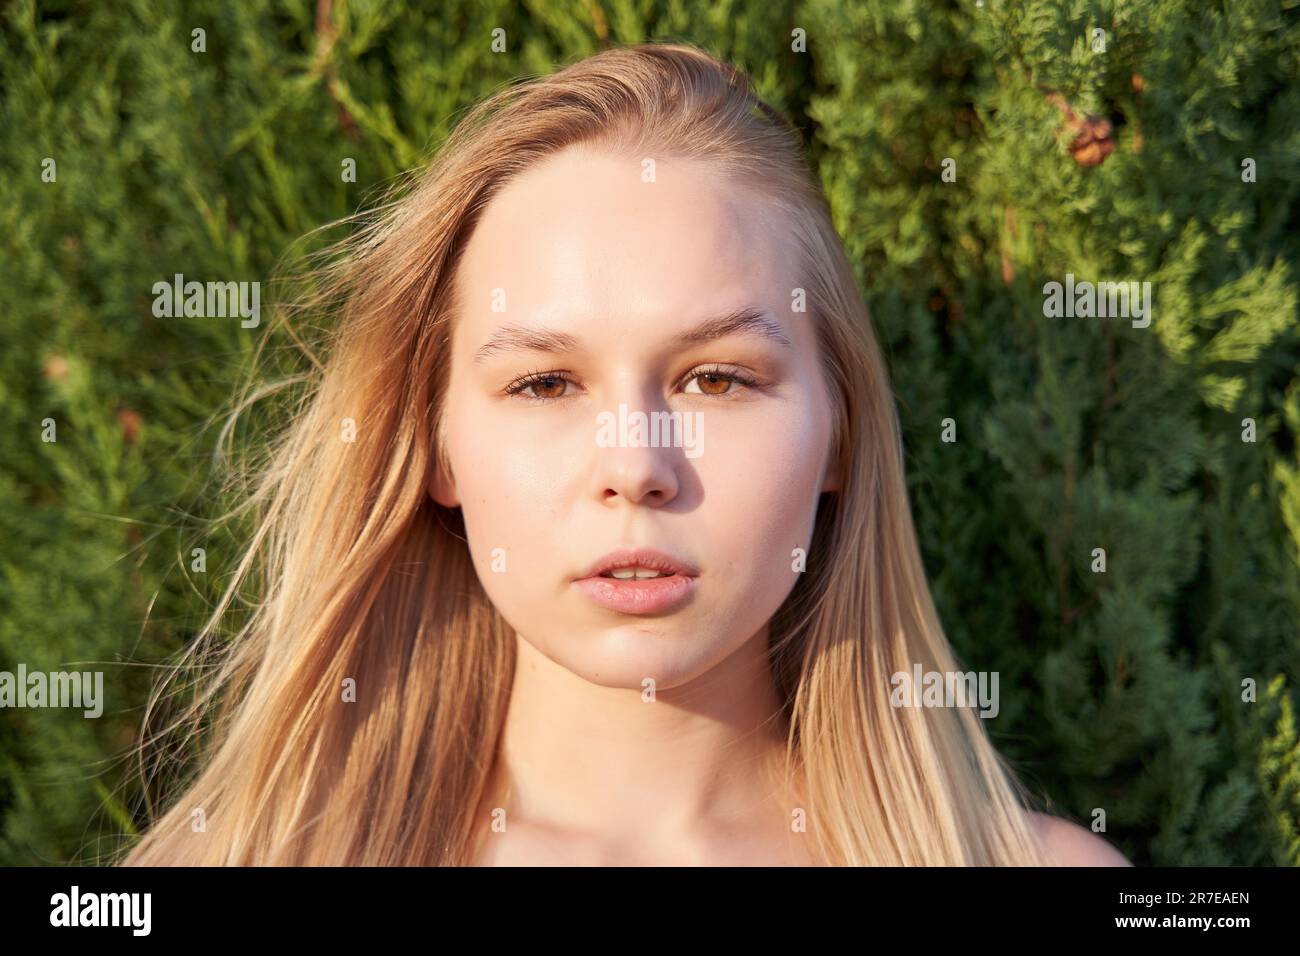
pixel 1094 138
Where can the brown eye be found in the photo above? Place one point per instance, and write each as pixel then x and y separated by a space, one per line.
pixel 714 383
pixel 548 387
pixel 717 382
pixel 540 387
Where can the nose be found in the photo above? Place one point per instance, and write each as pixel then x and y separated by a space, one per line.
pixel 635 464
pixel 644 476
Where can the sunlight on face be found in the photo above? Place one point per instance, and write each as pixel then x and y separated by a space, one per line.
pixel 579 291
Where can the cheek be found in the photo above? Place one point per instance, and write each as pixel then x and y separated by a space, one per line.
pixel 510 480
pixel 761 481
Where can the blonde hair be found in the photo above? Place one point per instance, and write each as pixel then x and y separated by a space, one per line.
pixel 363 576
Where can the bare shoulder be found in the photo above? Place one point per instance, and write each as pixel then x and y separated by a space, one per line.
pixel 1068 844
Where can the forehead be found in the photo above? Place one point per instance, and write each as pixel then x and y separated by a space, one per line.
pixel 585 233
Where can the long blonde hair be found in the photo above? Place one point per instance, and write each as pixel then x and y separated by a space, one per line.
pixel 361 575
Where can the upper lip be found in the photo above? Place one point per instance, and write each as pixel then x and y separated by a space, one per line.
pixel 648 558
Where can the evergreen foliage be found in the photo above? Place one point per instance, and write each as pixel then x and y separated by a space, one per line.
pixel 1121 690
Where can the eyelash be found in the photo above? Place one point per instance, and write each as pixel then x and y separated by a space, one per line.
pixel 518 386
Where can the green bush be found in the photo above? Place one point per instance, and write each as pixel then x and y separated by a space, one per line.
pixel 1125 688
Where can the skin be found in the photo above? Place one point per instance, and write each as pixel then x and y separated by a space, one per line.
pixel 591 772
pixel 1068 844
pixel 581 245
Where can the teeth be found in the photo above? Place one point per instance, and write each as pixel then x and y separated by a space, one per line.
pixel 625 574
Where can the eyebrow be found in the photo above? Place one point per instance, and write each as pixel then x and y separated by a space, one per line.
pixel 743 321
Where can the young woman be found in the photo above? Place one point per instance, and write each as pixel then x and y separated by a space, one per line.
pixel 591 543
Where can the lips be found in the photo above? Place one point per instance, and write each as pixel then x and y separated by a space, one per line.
pixel 648 558
pixel 659 595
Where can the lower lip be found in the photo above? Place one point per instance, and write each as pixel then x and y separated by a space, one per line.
pixel 646 596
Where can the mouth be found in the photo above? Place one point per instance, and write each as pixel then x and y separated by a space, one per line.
pixel 634 574
pixel 640 581
pixel 638 564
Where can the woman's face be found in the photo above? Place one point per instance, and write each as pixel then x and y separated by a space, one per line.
pixel 591 291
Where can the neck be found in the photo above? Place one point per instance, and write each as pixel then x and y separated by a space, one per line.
pixel 611 764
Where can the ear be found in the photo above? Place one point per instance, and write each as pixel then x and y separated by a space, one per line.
pixel 442 484
pixel 442 489
pixel 832 463
pixel 832 482
pixel 831 479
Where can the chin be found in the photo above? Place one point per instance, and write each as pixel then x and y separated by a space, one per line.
pixel 626 656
